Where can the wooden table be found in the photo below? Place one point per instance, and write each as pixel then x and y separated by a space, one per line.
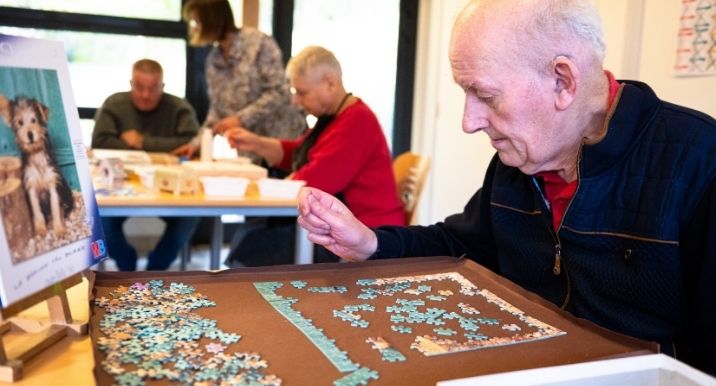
pixel 148 203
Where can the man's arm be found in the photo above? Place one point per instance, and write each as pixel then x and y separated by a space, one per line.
pixel 267 148
pixel 698 256
pixel 106 134
pixel 186 128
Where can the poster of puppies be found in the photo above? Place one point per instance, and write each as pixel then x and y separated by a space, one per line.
pixel 49 226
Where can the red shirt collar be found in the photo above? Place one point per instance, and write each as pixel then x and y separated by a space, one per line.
pixel 613 88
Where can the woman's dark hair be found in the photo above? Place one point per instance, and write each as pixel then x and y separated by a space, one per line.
pixel 215 17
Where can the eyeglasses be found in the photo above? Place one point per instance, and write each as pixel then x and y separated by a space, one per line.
pixel 151 89
pixel 299 93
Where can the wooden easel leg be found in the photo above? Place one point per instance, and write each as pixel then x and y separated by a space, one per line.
pixel 60 314
pixel 3 356
pixel 10 370
pixel 59 309
pixel 33 336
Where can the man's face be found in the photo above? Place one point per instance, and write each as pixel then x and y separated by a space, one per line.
pixel 146 90
pixel 511 103
pixel 310 95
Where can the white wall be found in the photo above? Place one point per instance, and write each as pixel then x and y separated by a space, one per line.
pixel 658 55
pixel 641 42
pixel 458 160
pixel 622 22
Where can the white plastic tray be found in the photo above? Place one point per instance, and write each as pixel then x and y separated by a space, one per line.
pixel 643 370
pixel 272 187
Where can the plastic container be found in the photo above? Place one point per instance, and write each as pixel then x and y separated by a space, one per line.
pixel 276 188
pixel 224 186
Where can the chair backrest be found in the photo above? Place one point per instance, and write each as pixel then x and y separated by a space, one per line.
pixel 410 171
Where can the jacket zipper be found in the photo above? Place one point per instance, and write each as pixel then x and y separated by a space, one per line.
pixel 558 252
pixel 557 267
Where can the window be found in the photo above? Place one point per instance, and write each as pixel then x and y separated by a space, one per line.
pixel 100 64
pixel 101 46
pixel 142 9
pixel 367 55
pixel 103 39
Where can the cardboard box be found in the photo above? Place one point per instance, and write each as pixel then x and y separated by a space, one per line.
pixel 176 179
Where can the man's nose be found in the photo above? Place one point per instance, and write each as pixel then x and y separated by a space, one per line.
pixel 474 117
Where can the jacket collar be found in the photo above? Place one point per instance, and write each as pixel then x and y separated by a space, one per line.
pixel 634 109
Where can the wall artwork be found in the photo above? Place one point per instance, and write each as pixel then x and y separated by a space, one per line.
pixel 696 49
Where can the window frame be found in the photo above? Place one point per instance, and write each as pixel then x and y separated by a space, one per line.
pixel 405 63
pixel 195 56
pixel 66 21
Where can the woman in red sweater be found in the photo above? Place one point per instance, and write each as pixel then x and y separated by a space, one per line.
pixel 345 153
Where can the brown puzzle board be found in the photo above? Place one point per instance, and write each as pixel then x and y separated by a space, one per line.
pixel 294 358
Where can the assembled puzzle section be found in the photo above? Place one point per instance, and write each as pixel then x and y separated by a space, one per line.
pixel 412 321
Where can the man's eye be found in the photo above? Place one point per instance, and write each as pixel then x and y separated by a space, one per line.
pixel 486 98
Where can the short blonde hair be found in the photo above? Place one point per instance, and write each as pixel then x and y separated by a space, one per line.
pixel 313 62
pixel 149 66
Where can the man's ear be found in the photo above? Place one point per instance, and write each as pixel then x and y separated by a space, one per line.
pixel 566 76
pixel 330 80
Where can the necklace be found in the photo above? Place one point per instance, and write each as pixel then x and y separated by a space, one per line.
pixel 300 155
pixel 343 101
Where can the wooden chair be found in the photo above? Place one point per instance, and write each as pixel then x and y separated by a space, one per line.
pixel 410 171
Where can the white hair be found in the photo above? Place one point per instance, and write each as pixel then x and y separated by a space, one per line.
pixel 312 62
pixel 579 18
pixel 536 31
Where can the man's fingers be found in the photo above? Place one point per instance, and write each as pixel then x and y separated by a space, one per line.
pixel 313 224
pixel 327 209
pixel 325 240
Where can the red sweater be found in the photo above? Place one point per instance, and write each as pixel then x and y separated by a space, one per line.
pixel 351 157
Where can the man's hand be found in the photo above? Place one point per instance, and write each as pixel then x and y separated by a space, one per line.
pixel 186 150
pixel 265 147
pixel 133 139
pixel 225 124
pixel 242 139
pixel 332 225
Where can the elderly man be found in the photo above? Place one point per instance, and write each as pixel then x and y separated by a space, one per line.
pixel 601 197
pixel 345 153
pixel 145 118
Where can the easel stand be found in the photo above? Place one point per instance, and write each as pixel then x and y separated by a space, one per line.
pixel 33 336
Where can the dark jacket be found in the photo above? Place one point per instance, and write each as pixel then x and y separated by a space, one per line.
pixel 636 250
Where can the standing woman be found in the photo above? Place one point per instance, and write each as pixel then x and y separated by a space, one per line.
pixel 245 76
